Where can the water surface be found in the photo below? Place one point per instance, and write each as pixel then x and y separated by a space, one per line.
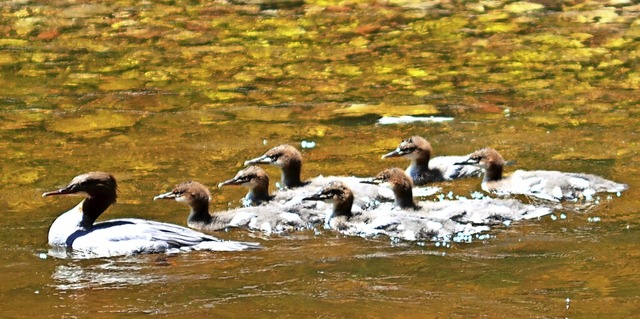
pixel 159 92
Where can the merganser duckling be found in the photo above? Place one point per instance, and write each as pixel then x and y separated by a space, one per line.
pixel 548 185
pixel 423 221
pixel 424 169
pixel 398 181
pixel 76 229
pixel 268 217
pixel 289 159
pixel 256 180
pixel 340 195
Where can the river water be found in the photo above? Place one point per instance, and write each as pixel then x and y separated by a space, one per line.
pixel 159 92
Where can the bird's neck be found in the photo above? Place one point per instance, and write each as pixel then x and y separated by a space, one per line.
pixel 92 208
pixel 291 174
pixel 403 197
pixel 493 173
pixel 421 162
pixel 258 194
pixel 199 213
pixel 343 208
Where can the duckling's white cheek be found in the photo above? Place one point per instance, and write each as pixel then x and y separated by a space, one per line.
pixel 386 184
pixel 181 199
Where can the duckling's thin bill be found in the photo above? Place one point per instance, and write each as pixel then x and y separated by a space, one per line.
pixel 370 181
pixel 259 160
pixel 318 197
pixel 394 153
pixel 169 195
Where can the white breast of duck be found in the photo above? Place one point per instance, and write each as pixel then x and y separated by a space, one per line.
pixel 547 185
pixel 424 169
pixel 76 229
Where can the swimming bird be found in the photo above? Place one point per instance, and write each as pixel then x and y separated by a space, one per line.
pixel 424 169
pixel 256 180
pixel 548 185
pixel 398 181
pixel 288 158
pixel 77 230
pixel 268 217
pixel 412 221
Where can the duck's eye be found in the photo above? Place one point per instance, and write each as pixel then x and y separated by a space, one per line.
pixel 408 149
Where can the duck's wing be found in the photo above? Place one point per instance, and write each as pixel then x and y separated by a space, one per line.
pixel 598 184
pixel 539 184
pixel 273 217
pixel 134 236
pixel 555 185
pixel 184 239
pixel 450 171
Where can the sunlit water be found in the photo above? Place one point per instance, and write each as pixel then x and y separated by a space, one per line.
pixel 162 92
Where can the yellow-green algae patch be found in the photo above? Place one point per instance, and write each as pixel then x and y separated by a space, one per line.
pixel 100 120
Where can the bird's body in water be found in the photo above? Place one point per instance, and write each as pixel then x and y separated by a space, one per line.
pixel 548 185
pixel 77 231
pixel 268 217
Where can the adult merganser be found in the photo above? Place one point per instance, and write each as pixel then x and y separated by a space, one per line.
pixel 424 169
pixel 267 217
pixel 256 180
pixel 424 221
pixel 548 185
pixel 76 229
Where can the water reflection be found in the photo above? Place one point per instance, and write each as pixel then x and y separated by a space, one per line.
pixel 107 274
